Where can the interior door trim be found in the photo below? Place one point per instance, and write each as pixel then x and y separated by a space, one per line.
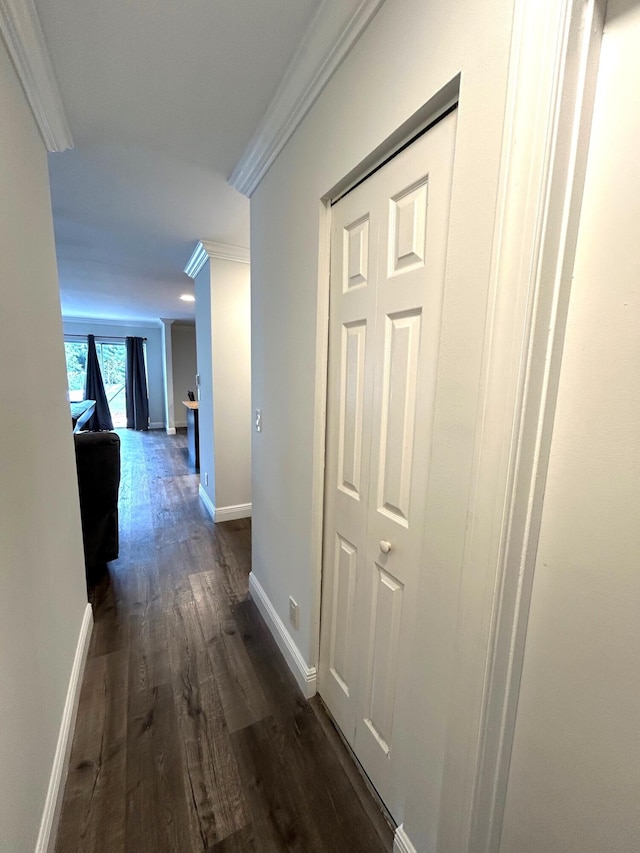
pixel 550 98
pixel 398 150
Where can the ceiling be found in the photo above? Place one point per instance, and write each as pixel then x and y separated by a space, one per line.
pixel 162 97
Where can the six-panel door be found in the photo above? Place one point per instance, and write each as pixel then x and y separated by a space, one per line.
pixel 388 254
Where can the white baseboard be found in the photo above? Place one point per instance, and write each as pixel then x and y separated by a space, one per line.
pixel 228 513
pixel 206 500
pixel 304 675
pixel 223 513
pixel 157 425
pixel 53 803
pixel 171 430
pixel 401 842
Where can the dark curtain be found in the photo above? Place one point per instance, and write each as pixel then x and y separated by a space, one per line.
pixel 136 389
pixel 94 390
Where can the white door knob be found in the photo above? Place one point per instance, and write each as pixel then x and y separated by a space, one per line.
pixel 385 547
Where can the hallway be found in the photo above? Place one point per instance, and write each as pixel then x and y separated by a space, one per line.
pixel 191 733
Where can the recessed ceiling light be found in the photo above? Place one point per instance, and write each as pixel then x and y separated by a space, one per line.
pixel 187 297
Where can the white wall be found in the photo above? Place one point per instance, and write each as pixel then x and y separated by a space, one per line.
pixel 205 370
pixel 167 374
pixel 183 349
pixel 231 349
pixel 42 585
pixel 155 376
pixel 409 52
pixel 223 339
pixel 575 769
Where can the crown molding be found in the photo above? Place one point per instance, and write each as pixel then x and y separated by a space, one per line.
pixel 332 33
pixel 110 321
pixel 207 249
pixel 197 260
pixel 22 34
pixel 225 252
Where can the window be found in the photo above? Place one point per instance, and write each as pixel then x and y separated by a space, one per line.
pixel 112 356
pixel 76 353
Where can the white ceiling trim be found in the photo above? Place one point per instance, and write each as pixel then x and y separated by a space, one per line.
pixel 123 324
pixel 196 261
pixel 225 252
pixel 332 33
pixel 209 249
pixel 21 31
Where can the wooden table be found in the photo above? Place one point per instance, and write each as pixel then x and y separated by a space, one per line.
pixel 193 432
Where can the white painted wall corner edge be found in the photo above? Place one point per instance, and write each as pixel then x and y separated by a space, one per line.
pixel 230 513
pixel 53 803
pixel 305 675
pixel 208 503
pixel 22 33
pixel 167 375
pixel 332 32
pixel 401 842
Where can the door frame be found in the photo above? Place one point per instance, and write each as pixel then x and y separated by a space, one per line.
pixel 554 62
pixel 551 84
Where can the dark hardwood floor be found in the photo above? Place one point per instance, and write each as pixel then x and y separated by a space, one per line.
pixel 192 735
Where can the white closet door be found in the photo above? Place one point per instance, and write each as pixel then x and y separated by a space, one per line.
pixel 387 280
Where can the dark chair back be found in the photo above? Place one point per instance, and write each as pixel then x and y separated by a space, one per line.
pixel 98 466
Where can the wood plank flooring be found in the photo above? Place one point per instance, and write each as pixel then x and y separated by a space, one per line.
pixel 192 736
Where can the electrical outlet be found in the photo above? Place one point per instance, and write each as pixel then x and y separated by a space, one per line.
pixel 206 479
pixel 294 616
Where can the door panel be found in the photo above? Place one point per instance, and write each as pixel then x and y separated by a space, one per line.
pixel 386 606
pixel 356 247
pixel 408 228
pixel 340 658
pixel 400 370
pixel 354 339
pixel 387 279
pixel 348 453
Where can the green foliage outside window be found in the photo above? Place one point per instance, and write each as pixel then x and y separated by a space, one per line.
pixel 76 353
pixel 113 361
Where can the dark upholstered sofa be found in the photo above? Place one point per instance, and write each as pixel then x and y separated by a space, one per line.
pixel 98 466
